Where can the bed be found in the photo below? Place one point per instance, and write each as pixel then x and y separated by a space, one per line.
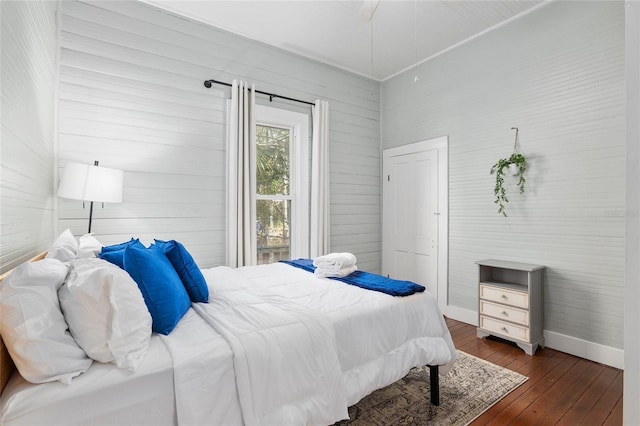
pixel 274 345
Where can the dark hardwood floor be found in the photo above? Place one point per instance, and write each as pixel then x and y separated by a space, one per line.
pixel 562 389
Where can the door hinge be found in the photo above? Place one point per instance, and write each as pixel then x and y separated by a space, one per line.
pixel 388 178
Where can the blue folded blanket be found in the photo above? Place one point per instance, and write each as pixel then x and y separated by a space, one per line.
pixel 366 280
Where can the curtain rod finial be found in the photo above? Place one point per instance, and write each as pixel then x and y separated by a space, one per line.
pixel 207 84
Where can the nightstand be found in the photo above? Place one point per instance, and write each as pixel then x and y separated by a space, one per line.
pixel 510 302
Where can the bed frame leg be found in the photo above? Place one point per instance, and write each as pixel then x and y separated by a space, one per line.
pixel 434 380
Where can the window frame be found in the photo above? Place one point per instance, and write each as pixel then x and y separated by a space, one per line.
pixel 298 123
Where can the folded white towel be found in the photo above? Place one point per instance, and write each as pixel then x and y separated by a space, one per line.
pixel 341 260
pixel 331 271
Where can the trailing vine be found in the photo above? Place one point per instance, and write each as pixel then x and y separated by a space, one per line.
pixel 519 163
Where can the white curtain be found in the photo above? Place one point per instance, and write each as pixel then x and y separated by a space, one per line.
pixel 241 217
pixel 319 235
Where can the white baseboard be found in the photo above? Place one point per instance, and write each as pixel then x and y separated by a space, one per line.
pixel 461 314
pixel 607 355
pixel 613 357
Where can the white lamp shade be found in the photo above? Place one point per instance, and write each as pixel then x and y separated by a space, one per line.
pixel 91 183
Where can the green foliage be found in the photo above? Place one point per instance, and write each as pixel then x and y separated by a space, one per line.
pixel 272 178
pixel 272 160
pixel 499 169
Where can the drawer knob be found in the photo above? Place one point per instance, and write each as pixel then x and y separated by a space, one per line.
pixel 505 313
pixel 504 329
pixel 504 296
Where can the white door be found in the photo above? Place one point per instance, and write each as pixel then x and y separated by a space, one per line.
pixel 412 215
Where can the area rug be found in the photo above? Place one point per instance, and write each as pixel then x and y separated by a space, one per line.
pixel 468 390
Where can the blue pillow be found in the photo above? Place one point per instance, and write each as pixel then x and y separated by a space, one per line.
pixel 160 285
pixel 120 246
pixel 187 269
pixel 115 253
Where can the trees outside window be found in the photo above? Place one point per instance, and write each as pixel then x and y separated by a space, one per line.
pixel 281 198
pixel 273 198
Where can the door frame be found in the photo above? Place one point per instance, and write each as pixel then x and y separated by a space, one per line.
pixel 441 145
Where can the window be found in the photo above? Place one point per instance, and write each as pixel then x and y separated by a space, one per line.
pixel 282 184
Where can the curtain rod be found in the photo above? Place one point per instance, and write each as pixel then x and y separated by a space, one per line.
pixel 208 83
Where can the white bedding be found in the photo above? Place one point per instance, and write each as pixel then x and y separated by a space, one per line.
pixel 285 356
pixel 203 374
pixel 379 337
pixel 253 356
pixel 194 360
pixel 105 394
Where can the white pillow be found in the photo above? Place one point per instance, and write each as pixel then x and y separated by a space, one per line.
pixel 88 246
pixel 33 327
pixel 64 248
pixel 106 312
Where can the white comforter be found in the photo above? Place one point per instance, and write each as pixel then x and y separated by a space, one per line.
pixel 285 356
pixel 379 337
pixel 275 345
pixel 203 376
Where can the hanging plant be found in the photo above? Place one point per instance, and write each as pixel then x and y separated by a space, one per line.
pixel 515 165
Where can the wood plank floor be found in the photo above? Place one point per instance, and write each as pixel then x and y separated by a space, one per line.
pixel 562 389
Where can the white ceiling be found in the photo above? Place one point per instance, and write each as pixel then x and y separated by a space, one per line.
pixel 405 32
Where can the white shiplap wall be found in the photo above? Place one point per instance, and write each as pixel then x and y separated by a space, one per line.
pixel 29 48
pixel 558 74
pixel 132 96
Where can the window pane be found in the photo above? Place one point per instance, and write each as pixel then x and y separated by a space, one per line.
pixel 272 158
pixel 272 226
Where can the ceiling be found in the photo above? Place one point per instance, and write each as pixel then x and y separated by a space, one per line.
pixel 400 33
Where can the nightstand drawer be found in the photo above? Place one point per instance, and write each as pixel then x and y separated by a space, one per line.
pixel 503 312
pixel 502 295
pixel 504 328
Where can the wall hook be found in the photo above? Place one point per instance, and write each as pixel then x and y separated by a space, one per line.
pixel 515 143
